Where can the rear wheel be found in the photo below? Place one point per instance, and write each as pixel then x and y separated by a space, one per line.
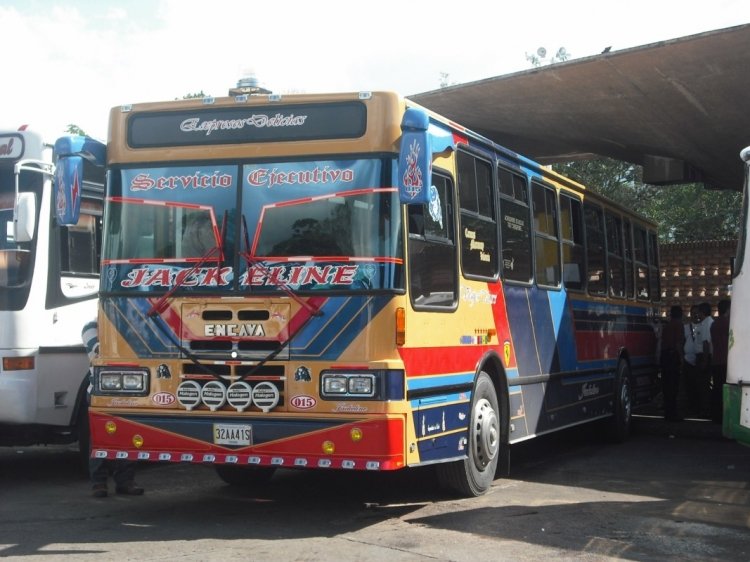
pixel 473 476
pixel 244 476
pixel 619 425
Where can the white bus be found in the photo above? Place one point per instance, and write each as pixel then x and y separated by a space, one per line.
pixel 49 268
pixel 736 418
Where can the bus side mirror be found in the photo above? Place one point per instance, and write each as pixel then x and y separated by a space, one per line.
pixel 420 141
pixel 24 220
pixel 68 187
pixel 415 158
pixel 70 151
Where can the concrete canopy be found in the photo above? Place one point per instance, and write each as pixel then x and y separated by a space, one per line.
pixel 680 108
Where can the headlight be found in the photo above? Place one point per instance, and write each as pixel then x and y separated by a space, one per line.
pixel 362 384
pixel 334 384
pixel 348 385
pixel 122 382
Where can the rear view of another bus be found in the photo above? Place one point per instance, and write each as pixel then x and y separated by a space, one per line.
pixel 49 266
pixel 736 418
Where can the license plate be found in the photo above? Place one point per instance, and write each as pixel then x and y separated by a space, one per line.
pixel 233 434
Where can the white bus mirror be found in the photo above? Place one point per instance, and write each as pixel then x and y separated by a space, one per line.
pixel 25 217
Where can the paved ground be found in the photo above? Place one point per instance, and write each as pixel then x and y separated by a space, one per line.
pixel 673 492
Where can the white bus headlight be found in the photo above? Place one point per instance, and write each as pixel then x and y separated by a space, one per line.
pixel 349 386
pixel 110 381
pixel 362 385
pixel 334 385
pixel 132 381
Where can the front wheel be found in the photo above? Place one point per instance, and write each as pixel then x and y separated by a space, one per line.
pixel 473 475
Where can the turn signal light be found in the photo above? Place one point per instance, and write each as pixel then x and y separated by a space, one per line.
pixel 400 326
pixel 18 363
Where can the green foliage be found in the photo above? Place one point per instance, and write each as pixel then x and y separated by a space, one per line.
pixel 193 96
pixel 684 213
pixel 72 129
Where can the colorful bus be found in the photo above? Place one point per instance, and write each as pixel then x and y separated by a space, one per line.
pixel 736 403
pixel 352 282
pixel 49 270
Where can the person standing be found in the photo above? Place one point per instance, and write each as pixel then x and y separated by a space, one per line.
pixel 720 342
pixel 703 351
pixel 689 366
pixel 672 345
pixel 123 471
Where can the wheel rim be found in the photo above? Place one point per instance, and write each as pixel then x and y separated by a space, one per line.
pixel 625 400
pixel 485 433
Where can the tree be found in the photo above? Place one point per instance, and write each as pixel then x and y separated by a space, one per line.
pixel 75 130
pixel 193 96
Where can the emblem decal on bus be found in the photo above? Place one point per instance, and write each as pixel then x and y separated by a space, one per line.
pixel 234 330
pixel 163 398
pixel 303 402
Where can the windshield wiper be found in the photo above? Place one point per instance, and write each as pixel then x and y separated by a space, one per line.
pixel 256 262
pixel 161 304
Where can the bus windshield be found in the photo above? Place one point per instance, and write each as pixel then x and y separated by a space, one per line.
pixel 309 226
pixel 15 257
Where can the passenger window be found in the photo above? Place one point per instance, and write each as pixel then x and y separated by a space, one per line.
pixel 433 269
pixel 515 227
pixel 478 231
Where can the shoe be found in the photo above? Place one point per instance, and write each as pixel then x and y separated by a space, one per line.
pixel 131 489
pixel 99 490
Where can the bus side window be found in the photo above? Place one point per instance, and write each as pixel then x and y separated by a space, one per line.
pixel 515 227
pixel 478 230
pixel 571 225
pixel 629 285
pixel 615 255
pixel 653 266
pixel 433 267
pixel 547 256
pixel 641 263
pixel 595 250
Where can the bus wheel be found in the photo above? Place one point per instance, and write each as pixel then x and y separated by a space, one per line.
pixel 244 476
pixel 473 476
pixel 622 417
pixel 84 437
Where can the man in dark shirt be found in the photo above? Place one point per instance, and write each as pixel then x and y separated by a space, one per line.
pixel 672 344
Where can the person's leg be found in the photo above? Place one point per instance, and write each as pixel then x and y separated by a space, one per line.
pixel 98 472
pixel 125 479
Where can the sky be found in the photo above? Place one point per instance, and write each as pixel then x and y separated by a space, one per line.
pixel 71 62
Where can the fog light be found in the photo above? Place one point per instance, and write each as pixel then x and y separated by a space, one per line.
pixel 356 434
pixel 137 441
pixel 328 447
pixel 110 427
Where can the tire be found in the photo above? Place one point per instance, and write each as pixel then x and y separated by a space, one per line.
pixel 84 436
pixel 244 476
pixel 474 475
pixel 622 416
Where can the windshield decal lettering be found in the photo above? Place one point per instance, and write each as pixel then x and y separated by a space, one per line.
pixel 198 180
pixel 268 177
pixel 194 124
pixel 340 275
pixel 167 277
